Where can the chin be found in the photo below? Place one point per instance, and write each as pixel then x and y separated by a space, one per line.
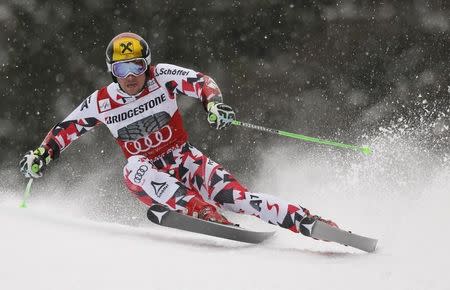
pixel 134 91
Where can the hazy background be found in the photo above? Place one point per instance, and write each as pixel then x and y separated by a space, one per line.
pixel 342 70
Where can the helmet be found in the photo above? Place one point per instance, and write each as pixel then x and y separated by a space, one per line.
pixel 127 46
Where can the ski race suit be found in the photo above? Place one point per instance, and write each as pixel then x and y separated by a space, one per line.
pixel 163 166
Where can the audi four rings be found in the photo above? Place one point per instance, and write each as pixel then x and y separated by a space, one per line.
pixel 140 173
pixel 153 140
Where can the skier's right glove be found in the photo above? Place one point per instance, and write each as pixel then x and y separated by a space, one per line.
pixel 33 163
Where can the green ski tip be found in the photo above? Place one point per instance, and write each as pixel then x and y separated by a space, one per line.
pixel 366 150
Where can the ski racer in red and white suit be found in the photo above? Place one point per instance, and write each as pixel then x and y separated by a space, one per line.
pixel 162 165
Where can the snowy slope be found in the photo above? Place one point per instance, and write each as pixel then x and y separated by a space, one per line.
pixel 401 199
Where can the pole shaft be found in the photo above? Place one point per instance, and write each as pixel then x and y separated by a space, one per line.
pixel 27 193
pixel 303 137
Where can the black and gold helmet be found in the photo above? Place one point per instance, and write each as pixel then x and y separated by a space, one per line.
pixel 127 46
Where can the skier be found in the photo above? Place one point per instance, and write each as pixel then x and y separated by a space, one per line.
pixel 139 108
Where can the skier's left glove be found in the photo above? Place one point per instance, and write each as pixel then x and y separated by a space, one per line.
pixel 34 162
pixel 220 115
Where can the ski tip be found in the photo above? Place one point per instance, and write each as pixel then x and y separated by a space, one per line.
pixel 373 247
pixel 325 232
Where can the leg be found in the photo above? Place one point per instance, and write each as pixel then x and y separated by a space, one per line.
pixel 218 186
pixel 151 185
pixel 231 195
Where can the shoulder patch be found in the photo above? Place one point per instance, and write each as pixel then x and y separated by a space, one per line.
pixel 103 100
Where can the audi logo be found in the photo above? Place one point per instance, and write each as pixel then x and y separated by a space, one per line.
pixel 140 173
pixel 153 140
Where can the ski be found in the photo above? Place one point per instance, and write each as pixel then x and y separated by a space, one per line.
pixel 323 231
pixel 161 215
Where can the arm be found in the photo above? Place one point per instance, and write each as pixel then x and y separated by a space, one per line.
pixel 179 80
pixel 81 120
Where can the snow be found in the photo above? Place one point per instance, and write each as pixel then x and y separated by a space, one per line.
pixel 399 196
pixel 42 249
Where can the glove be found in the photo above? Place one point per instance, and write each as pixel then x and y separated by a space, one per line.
pixel 220 115
pixel 34 162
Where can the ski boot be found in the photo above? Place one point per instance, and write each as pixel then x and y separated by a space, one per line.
pixel 210 213
pixel 308 221
pixel 199 208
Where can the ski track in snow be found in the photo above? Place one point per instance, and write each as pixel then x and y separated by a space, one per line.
pixel 405 204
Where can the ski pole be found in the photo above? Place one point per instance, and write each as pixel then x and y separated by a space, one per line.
pixel 364 149
pixel 26 194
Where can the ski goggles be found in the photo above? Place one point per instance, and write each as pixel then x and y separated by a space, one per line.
pixel 122 69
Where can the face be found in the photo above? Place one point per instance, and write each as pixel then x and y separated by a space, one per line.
pixel 132 85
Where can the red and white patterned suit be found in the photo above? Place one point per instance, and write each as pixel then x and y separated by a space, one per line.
pixel 162 165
